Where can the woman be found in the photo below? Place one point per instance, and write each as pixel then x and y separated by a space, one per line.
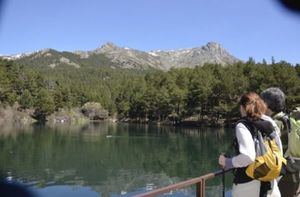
pixel 252 109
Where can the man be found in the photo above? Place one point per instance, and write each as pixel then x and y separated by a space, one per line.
pixel 275 100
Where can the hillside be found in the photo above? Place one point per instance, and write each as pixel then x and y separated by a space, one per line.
pixel 114 56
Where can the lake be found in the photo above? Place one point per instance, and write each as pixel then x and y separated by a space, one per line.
pixel 111 159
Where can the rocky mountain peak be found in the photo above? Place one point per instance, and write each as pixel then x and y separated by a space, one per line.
pixel 213 46
pixel 46 50
pixel 109 46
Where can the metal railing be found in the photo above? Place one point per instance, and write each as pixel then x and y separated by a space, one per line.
pixel 199 181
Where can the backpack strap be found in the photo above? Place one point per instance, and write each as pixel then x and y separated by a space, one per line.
pixel 286 123
pixel 249 125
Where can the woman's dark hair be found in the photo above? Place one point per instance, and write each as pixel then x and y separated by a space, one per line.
pixel 274 98
pixel 254 106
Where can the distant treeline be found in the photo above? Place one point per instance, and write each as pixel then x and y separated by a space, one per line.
pixel 208 92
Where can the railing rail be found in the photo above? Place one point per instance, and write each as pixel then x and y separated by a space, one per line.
pixel 199 181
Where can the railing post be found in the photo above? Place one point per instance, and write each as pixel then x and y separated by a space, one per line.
pixel 200 190
pixel 203 188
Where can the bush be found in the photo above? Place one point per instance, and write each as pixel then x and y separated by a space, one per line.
pixel 94 111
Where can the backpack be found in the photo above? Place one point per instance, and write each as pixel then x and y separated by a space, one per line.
pixel 269 160
pixel 292 125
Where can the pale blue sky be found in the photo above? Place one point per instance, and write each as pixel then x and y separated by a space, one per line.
pixel 246 28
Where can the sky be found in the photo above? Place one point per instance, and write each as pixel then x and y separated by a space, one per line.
pixel 245 28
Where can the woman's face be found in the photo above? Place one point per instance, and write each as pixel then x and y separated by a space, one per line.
pixel 242 111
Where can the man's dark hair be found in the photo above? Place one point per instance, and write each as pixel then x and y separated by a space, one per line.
pixel 274 98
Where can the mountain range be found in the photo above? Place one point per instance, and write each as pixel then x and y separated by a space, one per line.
pixel 114 56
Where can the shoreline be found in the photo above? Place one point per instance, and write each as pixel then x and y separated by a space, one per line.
pixel 15 116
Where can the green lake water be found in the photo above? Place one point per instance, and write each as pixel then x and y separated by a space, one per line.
pixel 111 159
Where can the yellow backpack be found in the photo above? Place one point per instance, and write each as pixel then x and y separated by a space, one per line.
pixel 269 160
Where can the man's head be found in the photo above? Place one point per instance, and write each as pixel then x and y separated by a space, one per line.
pixel 274 98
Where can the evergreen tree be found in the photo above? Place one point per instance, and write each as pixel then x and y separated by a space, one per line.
pixel 44 105
pixel 26 100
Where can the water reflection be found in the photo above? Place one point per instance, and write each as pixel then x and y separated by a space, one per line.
pixel 108 158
